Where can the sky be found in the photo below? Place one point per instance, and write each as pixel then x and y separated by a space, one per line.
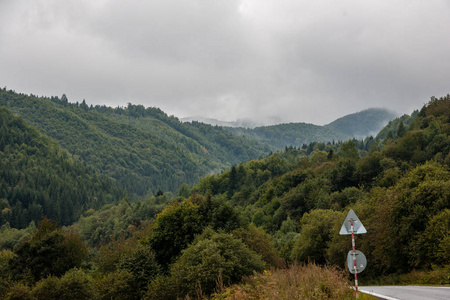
pixel 268 61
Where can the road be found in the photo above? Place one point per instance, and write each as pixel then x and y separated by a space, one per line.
pixel 408 292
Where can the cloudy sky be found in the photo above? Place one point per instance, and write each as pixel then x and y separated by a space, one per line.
pixel 266 60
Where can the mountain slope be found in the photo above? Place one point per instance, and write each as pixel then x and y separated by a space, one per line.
pixel 292 134
pixel 364 123
pixel 143 149
pixel 358 125
pixel 38 178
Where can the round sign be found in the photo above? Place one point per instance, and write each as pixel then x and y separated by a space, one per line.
pixel 361 261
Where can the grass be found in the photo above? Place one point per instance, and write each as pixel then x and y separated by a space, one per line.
pixel 297 282
pixel 437 276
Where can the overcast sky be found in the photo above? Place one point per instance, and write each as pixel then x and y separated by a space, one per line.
pixel 266 60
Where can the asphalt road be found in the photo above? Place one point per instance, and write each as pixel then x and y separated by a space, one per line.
pixel 409 292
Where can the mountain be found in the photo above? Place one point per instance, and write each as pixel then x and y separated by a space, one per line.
pixel 238 123
pixel 292 134
pixel 358 125
pixel 400 190
pixel 257 216
pixel 38 178
pixel 142 149
pixel 364 123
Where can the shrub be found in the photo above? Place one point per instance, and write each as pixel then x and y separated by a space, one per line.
pixel 211 257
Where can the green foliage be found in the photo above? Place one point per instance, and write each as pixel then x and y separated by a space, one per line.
pixel 19 291
pixel 364 123
pixel 116 285
pixel 315 235
pixel 260 242
pixel 38 178
pixel 292 134
pixel 113 222
pixel 204 238
pixel 140 261
pixel 48 288
pixel 12 237
pixel 390 130
pixel 174 228
pixel 49 251
pixel 433 244
pixel 76 284
pixel 213 257
pixel 143 149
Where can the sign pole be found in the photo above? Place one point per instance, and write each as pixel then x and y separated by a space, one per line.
pixel 356 260
pixel 354 257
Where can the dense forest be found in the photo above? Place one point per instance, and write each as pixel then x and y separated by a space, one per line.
pixel 358 125
pixel 142 149
pixel 38 178
pixel 364 123
pixel 253 220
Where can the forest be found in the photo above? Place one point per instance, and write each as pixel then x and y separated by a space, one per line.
pixel 142 149
pixel 229 234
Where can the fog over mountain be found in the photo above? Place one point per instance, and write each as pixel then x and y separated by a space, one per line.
pixel 267 61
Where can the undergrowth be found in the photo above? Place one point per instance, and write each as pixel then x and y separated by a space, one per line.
pixel 309 281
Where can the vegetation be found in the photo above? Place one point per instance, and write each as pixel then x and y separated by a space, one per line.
pixel 358 125
pixel 292 134
pixel 280 213
pixel 38 178
pixel 364 123
pixel 297 282
pixel 142 149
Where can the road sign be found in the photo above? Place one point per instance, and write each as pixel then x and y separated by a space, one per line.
pixel 361 261
pixel 358 227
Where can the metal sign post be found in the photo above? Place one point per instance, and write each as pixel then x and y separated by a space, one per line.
pixel 352 225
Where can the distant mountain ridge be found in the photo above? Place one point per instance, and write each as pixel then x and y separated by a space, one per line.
pixel 364 123
pixel 144 150
pixel 245 123
pixel 292 134
pixel 357 125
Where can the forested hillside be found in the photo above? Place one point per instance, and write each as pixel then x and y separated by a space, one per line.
pixel 38 178
pixel 143 149
pixel 364 123
pixel 358 125
pixel 265 213
pixel 292 134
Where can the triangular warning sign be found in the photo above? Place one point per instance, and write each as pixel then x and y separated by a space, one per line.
pixel 358 227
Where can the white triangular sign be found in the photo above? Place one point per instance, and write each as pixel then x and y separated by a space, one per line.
pixel 358 227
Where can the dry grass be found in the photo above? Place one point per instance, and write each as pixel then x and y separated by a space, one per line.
pixel 437 276
pixel 297 282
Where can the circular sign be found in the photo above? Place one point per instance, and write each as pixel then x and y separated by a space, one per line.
pixel 361 261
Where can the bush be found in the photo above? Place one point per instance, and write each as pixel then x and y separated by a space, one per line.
pixel 19 291
pixel 75 284
pixel 315 235
pixel 213 257
pixel 116 285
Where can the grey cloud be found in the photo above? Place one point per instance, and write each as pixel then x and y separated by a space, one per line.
pixel 288 60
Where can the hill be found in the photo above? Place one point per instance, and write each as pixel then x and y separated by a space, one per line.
pixel 38 178
pixel 258 216
pixel 142 149
pixel 238 123
pixel 358 125
pixel 292 134
pixel 364 123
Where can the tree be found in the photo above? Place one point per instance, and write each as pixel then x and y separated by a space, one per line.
pixel 212 257
pixel 401 130
pixel 174 228
pixel 49 251
pixel 315 235
pixel 349 150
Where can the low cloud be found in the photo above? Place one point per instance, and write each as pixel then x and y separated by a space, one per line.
pixel 269 61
